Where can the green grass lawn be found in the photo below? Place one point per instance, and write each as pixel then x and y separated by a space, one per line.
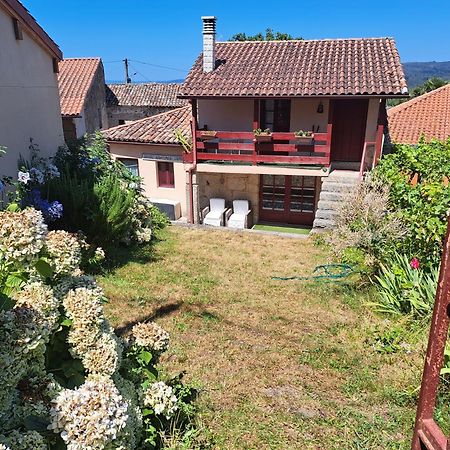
pixel 280 364
pixel 281 229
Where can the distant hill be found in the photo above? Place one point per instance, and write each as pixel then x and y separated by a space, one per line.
pixel 417 73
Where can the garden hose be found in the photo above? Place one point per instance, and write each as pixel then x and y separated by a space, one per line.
pixel 327 272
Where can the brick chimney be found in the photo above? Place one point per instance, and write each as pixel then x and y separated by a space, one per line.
pixel 209 43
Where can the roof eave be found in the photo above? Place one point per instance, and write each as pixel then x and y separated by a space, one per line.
pixel 40 35
pixel 192 97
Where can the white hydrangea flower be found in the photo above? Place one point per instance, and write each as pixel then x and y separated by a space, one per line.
pixel 21 236
pixel 64 251
pixel 91 416
pixel 99 254
pixel 40 297
pixel 144 235
pixel 75 281
pixel 23 177
pixel 4 447
pixel 103 356
pixel 161 399
pixel 150 336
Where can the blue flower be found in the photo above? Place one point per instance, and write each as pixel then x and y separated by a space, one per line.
pixel 2 186
pixel 50 210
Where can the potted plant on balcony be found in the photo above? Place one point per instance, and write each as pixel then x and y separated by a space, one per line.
pixel 304 137
pixel 206 135
pixel 262 135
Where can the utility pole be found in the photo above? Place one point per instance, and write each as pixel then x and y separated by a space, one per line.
pixel 127 76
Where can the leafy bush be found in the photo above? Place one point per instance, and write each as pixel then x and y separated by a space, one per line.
pixel 419 189
pixel 88 191
pixel 67 380
pixel 405 288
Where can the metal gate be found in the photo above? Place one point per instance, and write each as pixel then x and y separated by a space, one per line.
pixel 427 434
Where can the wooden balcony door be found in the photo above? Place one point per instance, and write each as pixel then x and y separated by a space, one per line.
pixel 287 199
pixel 275 114
pixel 349 129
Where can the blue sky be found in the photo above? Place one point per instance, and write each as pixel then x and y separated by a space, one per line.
pixel 168 33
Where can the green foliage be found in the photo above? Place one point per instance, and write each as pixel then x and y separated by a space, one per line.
pixel 159 219
pixel 422 206
pixel 100 196
pixel 404 289
pixel 269 35
pixel 429 85
pixel 184 141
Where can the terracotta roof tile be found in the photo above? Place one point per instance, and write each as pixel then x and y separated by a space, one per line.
pixel 367 66
pixel 158 129
pixel 75 79
pixel 428 114
pixel 144 94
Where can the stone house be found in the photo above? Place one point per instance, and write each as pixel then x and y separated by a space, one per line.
pixel 321 102
pixel 83 99
pixel 29 96
pixel 128 102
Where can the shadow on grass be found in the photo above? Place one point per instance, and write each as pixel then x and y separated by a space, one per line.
pixel 162 311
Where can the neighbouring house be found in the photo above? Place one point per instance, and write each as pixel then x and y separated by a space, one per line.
pixel 149 148
pixel 83 98
pixel 427 115
pixel 335 90
pixel 128 102
pixel 29 98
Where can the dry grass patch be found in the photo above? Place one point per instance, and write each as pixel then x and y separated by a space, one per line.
pixel 281 364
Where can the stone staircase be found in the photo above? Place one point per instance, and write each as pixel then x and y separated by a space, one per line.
pixel 335 187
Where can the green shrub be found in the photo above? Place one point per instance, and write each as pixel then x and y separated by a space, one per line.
pixel 418 180
pixel 404 289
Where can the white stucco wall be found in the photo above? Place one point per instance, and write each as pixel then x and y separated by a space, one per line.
pixel 149 172
pixel 29 97
pixel 226 115
pixel 304 115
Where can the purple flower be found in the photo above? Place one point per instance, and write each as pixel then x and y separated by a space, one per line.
pixel 50 210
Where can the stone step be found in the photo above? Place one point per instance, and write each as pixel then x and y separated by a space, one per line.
pixel 333 196
pixel 326 214
pixel 331 186
pixel 323 223
pixel 342 179
pixel 329 204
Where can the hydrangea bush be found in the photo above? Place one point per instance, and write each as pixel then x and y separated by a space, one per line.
pixel 67 380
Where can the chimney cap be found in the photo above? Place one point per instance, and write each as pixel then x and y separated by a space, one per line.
pixel 209 18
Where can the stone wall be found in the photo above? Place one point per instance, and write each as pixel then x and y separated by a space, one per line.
pixel 130 113
pixel 94 114
pixel 231 187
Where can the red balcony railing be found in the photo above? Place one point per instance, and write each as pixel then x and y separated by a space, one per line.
pixel 242 147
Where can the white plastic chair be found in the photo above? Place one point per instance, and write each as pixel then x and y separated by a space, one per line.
pixel 241 217
pixel 214 213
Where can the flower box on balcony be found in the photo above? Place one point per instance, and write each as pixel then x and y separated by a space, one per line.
pixel 207 135
pixel 262 135
pixel 304 137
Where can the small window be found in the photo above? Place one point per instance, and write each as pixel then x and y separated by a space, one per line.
pixel 131 164
pixel 121 122
pixel 166 176
pixel 17 29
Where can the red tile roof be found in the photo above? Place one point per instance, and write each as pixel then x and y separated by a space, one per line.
pixel 428 114
pixel 158 95
pixel 158 129
pixel 75 78
pixel 300 68
pixel 17 10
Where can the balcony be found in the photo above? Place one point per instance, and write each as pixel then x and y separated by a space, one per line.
pixel 242 148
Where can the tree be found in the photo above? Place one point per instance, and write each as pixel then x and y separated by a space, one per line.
pixel 270 35
pixel 430 85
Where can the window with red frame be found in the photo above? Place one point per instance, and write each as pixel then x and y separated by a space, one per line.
pixel 166 176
